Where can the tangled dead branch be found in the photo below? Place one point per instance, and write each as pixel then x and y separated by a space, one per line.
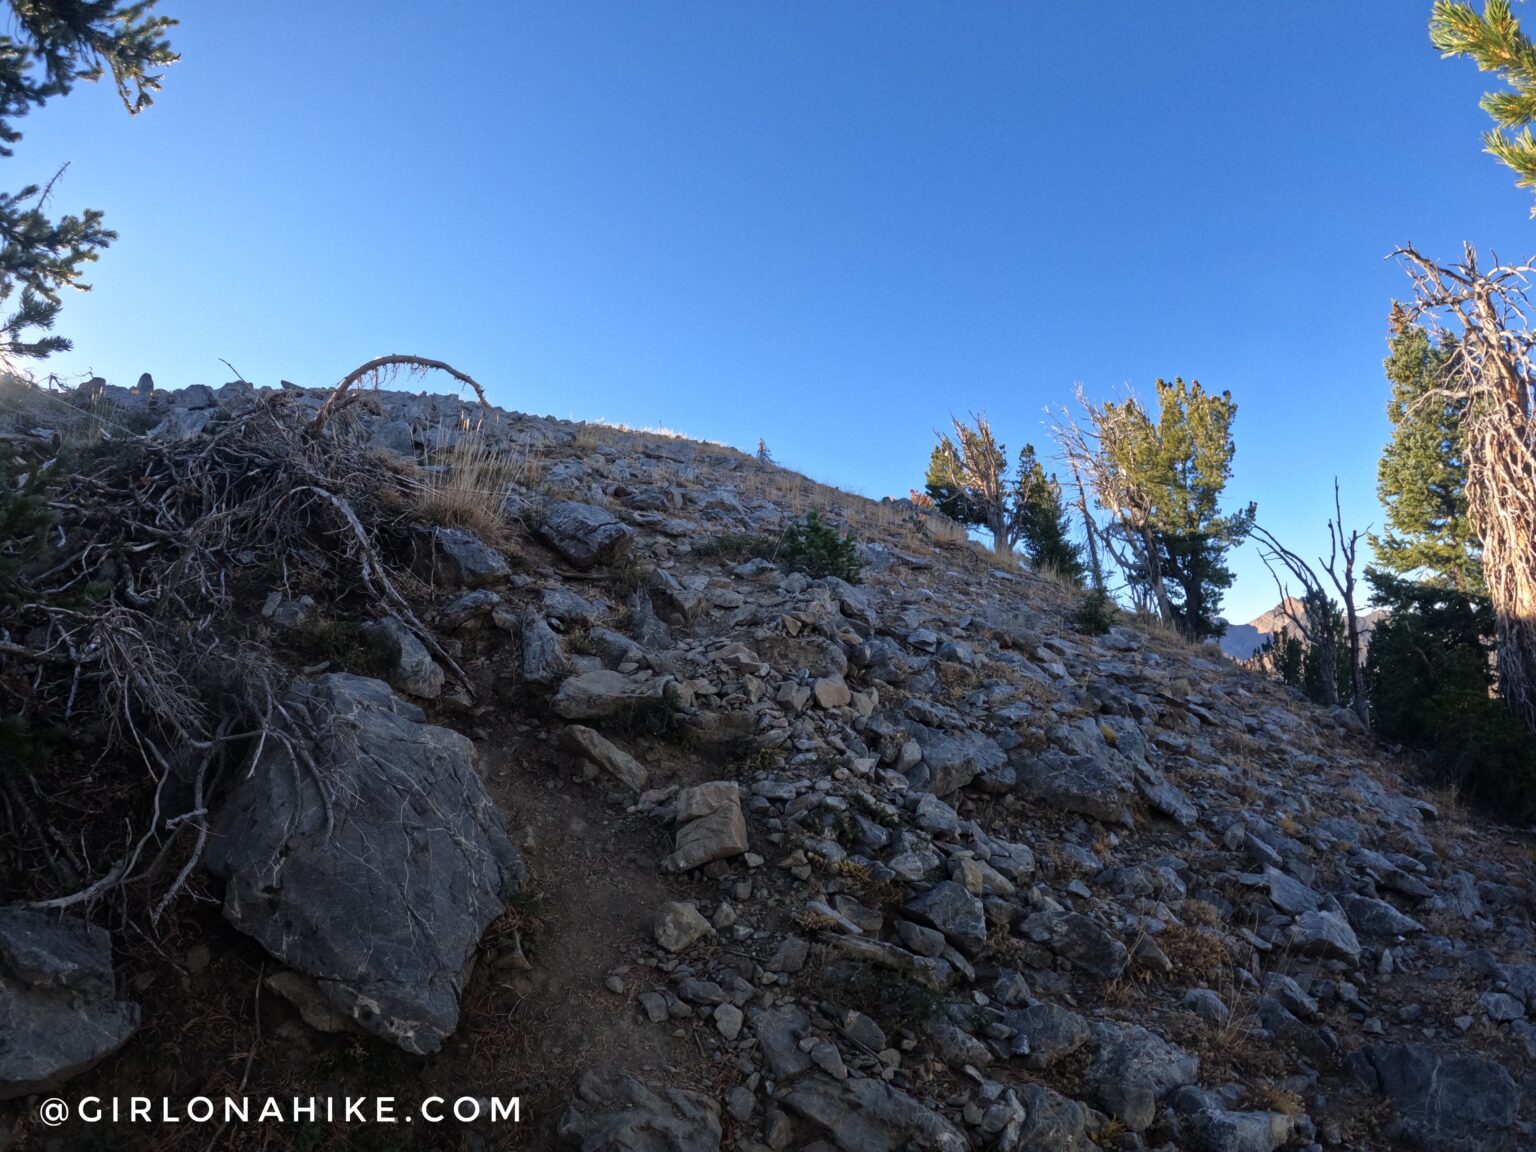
pixel 130 630
pixel 382 364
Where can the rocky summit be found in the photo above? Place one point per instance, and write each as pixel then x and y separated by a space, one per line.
pixel 614 806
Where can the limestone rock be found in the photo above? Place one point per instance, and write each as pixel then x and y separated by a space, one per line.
pixel 1089 785
pixel 615 1112
pixel 680 925
pixel 1446 1101
pixel 59 1013
pixel 1133 1069
pixel 1079 940
pixel 711 826
pixel 461 559
pixel 584 534
pixel 584 742
pixel 865 1115
pixel 595 695
pixel 544 661
pixel 413 670
pixel 321 879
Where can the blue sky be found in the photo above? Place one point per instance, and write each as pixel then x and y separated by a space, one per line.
pixel 827 225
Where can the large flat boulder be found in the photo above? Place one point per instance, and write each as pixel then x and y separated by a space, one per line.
pixel 1133 1069
pixel 1090 785
pixel 860 1114
pixel 584 534
pixel 595 695
pixel 614 1112
pixel 59 1013
pixel 371 862
pixel 1446 1101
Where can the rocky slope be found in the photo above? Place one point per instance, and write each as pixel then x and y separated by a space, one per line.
pixel 697 851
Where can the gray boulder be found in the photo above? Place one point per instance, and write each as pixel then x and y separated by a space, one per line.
pixel 372 863
pixel 595 695
pixel 1133 1069
pixel 1053 1122
pixel 614 1112
pixel 583 534
pixel 951 760
pixel 412 668
pixel 1220 1130
pixel 59 1013
pixel 461 559
pixel 866 1115
pixel 1378 918
pixel 710 826
pixel 544 662
pixel 953 911
pixel 1044 1033
pixel 1446 1101
pixel 1325 934
pixel 1076 938
pixel 589 745
pixel 182 424
pixel 1088 785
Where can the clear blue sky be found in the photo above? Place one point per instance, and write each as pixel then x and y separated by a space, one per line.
pixel 827 225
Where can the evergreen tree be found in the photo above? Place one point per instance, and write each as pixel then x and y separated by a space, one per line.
pixel 1042 521
pixel 1422 474
pixel 968 481
pixel 1495 43
pixel 1163 477
pixel 49 46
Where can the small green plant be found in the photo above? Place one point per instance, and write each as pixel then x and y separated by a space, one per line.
pixel 1095 613
pixel 741 756
pixel 890 999
pixel 813 546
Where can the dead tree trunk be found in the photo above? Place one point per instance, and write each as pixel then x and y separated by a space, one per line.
pixel 1315 622
pixel 1493 376
pixel 1089 529
pixel 1343 550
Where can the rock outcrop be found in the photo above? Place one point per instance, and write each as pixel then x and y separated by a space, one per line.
pixel 364 852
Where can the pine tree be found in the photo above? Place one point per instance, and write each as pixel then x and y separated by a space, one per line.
pixel 968 480
pixel 1042 522
pixel 1162 478
pixel 1422 474
pixel 1496 44
pixel 51 45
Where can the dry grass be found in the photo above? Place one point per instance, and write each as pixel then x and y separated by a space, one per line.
pixel 465 484
pixel 1197 953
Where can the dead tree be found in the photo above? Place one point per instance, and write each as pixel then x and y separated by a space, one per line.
pixel 1131 541
pixel 1492 377
pixel 382 364
pixel 1090 529
pixel 1342 551
pixel 1315 623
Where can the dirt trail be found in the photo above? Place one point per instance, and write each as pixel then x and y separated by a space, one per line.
pixel 596 884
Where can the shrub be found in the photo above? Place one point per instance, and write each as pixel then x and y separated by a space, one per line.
pixel 813 546
pixel 1095 613
pixel 1430 675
